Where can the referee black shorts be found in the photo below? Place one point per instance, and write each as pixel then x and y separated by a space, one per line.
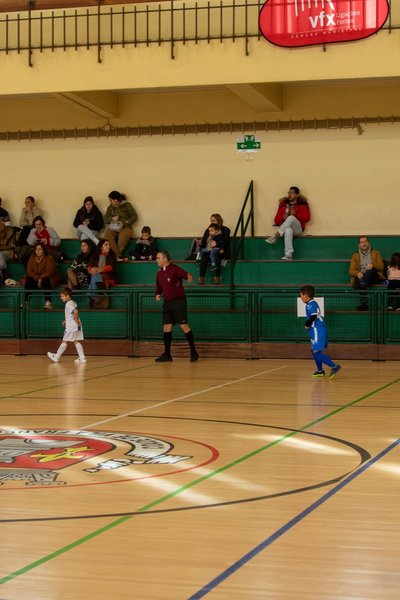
pixel 175 311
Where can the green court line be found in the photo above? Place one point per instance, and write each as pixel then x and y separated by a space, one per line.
pixel 51 387
pixel 46 377
pixel 186 487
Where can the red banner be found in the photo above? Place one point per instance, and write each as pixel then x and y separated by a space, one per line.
pixel 294 23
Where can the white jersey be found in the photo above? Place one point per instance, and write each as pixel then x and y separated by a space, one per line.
pixel 70 323
pixel 73 331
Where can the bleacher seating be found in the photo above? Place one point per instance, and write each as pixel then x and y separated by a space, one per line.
pixel 318 260
pixel 260 309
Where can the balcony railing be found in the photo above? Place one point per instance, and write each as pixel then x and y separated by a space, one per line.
pixel 167 23
pixel 243 315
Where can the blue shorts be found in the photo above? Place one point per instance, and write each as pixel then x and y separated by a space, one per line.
pixel 319 338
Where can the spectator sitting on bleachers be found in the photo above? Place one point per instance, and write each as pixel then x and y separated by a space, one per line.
pixel 78 274
pixel 212 252
pixel 7 244
pixel 366 268
pixel 199 243
pixel 292 215
pixel 28 214
pixel 88 221
pixel 41 272
pixel 118 221
pixel 45 235
pixel 102 267
pixel 145 248
pixel 4 216
pixel 393 275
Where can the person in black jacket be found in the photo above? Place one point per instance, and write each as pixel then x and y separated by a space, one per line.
pixel 88 221
pixel 145 248
pixel 212 252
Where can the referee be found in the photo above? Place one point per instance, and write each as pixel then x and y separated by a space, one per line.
pixel 169 284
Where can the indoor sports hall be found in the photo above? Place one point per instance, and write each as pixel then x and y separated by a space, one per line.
pixel 217 416
pixel 220 478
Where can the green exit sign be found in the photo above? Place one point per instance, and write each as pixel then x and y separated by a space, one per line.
pixel 248 143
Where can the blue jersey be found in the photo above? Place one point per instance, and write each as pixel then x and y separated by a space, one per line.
pixel 312 309
pixel 317 332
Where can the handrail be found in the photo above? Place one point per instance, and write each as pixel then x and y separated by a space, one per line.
pixel 237 242
pixel 96 26
pixel 243 315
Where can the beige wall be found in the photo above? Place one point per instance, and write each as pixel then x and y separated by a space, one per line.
pixel 175 183
pixel 220 104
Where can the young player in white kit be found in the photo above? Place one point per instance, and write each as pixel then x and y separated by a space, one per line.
pixel 73 329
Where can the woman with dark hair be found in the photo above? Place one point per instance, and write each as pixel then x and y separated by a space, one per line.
pixel 28 214
pixel 102 267
pixel 78 274
pixel 41 272
pixel 119 218
pixel 44 234
pixel 88 221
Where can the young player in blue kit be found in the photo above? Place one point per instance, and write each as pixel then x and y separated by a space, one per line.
pixel 317 332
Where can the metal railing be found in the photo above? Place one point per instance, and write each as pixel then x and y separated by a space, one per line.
pixel 167 23
pixel 233 316
pixel 242 225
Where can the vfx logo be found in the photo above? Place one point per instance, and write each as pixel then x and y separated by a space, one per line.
pixel 323 18
pixel 294 23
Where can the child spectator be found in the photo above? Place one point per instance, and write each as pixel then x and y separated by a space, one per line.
pixel 211 251
pixel 73 329
pixel 145 248
pixel 28 214
pixel 78 274
pixel 198 243
pixel 393 275
pixel 226 232
pixel 317 332
pixel 88 221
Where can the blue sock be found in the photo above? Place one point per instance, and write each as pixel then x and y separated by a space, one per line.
pixel 317 360
pixel 323 358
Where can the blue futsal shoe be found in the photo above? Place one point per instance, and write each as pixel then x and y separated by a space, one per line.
pixel 334 371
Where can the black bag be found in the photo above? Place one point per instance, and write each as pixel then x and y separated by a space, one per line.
pixel 194 250
pixel 100 302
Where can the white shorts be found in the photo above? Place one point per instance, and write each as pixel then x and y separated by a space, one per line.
pixel 73 336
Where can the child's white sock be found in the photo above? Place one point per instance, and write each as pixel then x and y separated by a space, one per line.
pixel 79 349
pixel 61 350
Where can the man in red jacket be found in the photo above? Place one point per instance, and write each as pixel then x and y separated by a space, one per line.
pixel 169 285
pixel 292 215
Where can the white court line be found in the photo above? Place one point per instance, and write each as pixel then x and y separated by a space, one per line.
pixel 210 389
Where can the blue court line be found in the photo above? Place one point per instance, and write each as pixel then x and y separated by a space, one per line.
pixel 282 530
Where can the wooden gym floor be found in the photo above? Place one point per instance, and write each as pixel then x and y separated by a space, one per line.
pixel 228 479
